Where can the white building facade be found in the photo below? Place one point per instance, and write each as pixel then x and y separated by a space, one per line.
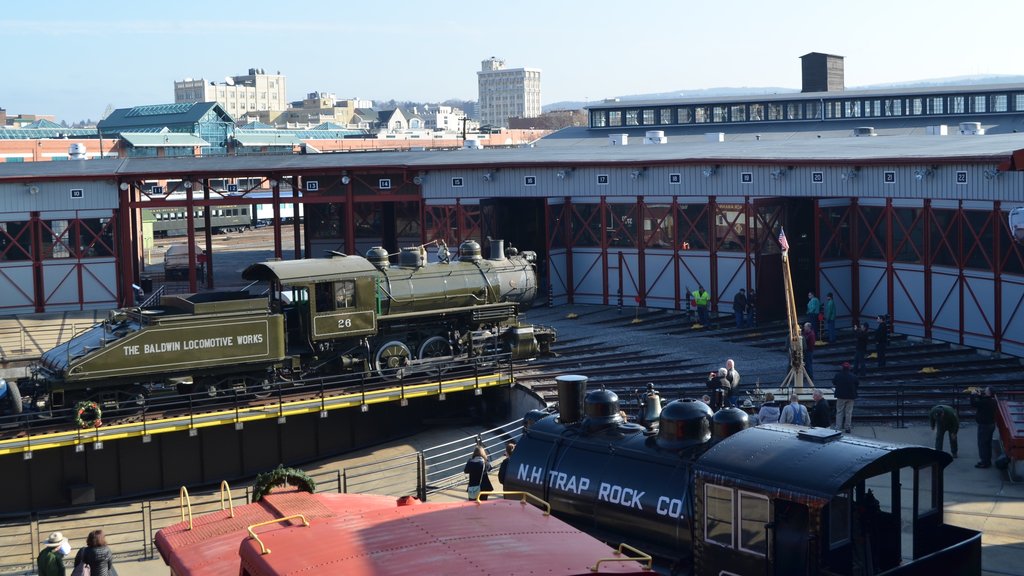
pixel 507 92
pixel 239 95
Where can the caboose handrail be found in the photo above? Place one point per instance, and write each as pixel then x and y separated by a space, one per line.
pixel 183 502
pixel 523 497
pixel 252 534
pixel 640 555
pixel 224 487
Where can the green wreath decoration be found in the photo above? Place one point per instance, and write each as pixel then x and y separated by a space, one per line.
pixel 281 476
pixel 92 408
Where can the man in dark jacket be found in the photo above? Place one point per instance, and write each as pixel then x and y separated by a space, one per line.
pixel 985 415
pixel 863 335
pixel 510 446
pixel 881 340
pixel 739 307
pixel 821 416
pixel 845 384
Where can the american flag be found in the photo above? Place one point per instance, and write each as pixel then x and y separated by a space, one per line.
pixel 782 240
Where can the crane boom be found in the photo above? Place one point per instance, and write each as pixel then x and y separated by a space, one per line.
pixel 797 374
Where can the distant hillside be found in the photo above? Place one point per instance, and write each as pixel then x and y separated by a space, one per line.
pixel 749 91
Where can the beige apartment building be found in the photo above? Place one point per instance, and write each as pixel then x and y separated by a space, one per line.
pixel 507 92
pixel 238 95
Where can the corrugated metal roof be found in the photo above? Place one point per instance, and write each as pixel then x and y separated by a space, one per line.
pixel 43 133
pixel 162 139
pixel 266 138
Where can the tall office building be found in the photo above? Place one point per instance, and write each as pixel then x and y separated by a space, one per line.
pixel 239 95
pixel 507 92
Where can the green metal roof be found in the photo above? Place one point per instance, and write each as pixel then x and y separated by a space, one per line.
pixel 43 123
pixel 159 109
pixel 139 117
pixel 256 126
pixel 39 133
pixel 162 139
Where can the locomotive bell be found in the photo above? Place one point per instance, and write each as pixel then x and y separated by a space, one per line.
pixel 684 423
pixel 651 403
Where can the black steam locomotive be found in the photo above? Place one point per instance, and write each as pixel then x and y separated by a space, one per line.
pixel 713 496
pixel 320 317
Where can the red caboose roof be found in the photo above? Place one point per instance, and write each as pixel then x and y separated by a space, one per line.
pixel 366 534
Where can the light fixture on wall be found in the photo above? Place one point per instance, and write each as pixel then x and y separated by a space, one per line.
pixel 991 173
pixel 272 182
pixel 188 184
pixel 488 176
pixel 33 190
pixel 419 178
pixel 124 186
pixel 777 173
pixel 345 179
pixel 710 171
pixel 563 173
pixel 851 174
pixel 636 173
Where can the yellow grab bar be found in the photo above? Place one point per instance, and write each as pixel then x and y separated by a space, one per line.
pixel 524 496
pixel 639 556
pixel 263 548
pixel 183 502
pixel 224 487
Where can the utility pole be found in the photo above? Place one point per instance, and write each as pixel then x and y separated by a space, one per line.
pixel 464 119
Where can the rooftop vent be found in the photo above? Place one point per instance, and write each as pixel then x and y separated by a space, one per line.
pixel 864 131
pixel 714 136
pixel 655 137
pixel 971 129
pixel 939 130
pixel 618 139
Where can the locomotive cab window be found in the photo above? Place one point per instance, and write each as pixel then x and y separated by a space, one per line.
pixel 344 294
pixel 718 515
pixel 753 515
pixel 839 520
pixel 324 297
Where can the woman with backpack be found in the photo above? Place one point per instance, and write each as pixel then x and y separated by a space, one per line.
pixel 95 559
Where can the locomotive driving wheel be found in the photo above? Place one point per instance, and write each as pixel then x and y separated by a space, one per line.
pixel 436 347
pixel 392 360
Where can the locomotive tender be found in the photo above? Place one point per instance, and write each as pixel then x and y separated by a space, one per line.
pixel 714 496
pixel 322 317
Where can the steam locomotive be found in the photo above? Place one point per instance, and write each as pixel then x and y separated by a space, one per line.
pixel 712 496
pixel 322 317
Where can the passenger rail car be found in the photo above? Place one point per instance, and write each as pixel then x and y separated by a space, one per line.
pixel 713 496
pixel 174 221
pixel 323 316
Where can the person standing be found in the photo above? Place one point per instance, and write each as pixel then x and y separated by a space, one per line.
pixel 813 309
pixel 795 412
pixel 97 555
pixel 881 340
pixel 50 561
pixel 510 446
pixel 477 468
pixel 943 420
pixel 701 298
pixel 739 307
pixel 862 334
pixel 733 377
pixel 845 384
pixel 821 416
pixel 830 319
pixel 770 411
pixel 985 415
pixel 809 339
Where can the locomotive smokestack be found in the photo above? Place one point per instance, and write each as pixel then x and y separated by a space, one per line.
pixel 571 390
pixel 497 249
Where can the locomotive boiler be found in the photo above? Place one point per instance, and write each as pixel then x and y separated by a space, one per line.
pixel 319 317
pixel 712 496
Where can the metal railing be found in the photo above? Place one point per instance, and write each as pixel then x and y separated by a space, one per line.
pixel 131 527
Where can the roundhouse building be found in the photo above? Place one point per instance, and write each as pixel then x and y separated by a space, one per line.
pixel 909 222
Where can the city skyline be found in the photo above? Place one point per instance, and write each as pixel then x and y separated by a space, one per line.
pixel 73 59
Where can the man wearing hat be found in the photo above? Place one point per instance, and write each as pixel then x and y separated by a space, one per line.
pixel 845 383
pixel 51 559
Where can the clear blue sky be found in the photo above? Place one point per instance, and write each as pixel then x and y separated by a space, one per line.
pixel 73 58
